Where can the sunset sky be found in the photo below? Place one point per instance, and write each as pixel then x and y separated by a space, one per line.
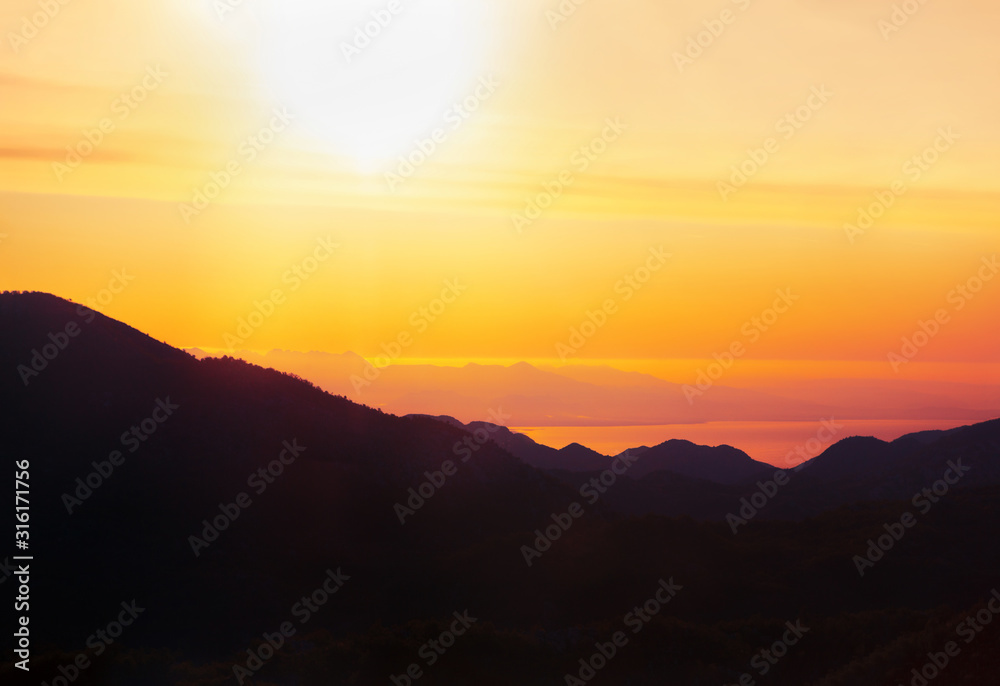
pixel 836 105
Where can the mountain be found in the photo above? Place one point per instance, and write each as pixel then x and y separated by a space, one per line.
pixel 679 478
pixel 722 464
pixel 219 497
pixel 575 394
pixel 529 395
pixel 573 457
pixel 863 458
pixel 101 399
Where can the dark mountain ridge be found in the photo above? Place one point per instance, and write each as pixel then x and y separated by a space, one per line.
pixel 721 464
pixel 334 507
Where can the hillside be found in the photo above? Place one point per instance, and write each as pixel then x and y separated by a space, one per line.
pixel 339 473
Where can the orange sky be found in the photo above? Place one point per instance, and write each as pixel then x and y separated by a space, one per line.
pixel 210 85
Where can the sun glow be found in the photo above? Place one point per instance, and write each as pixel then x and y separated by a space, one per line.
pixel 370 77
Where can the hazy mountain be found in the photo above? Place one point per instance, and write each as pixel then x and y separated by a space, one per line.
pixel 531 396
pixel 573 395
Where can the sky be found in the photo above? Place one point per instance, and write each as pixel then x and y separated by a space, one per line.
pixel 814 183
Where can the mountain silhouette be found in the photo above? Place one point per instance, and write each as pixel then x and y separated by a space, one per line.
pixel 571 395
pixel 722 464
pixel 111 524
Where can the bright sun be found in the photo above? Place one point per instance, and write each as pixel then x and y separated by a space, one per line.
pixel 367 76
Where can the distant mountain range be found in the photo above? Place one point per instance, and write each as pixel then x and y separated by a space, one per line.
pixel 722 464
pixel 576 395
pixel 681 478
pixel 112 522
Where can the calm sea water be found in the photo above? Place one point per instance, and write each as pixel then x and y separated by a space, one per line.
pixel 765 441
